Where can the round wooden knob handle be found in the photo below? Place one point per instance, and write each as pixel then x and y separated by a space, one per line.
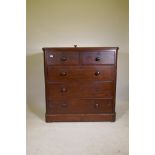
pixel 63 73
pixel 97 73
pixel 63 59
pixel 63 89
pixel 97 105
pixel 64 105
pixel 98 59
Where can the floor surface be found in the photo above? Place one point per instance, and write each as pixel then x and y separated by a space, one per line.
pixel 77 138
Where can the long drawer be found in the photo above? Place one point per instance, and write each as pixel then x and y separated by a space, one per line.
pixel 63 73
pixel 80 89
pixel 79 106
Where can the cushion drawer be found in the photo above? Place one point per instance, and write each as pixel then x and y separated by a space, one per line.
pixel 62 58
pixel 77 73
pixel 81 89
pixel 79 106
pixel 97 57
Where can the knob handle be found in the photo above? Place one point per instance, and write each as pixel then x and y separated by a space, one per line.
pixel 63 58
pixel 97 73
pixel 64 105
pixel 63 90
pixel 98 59
pixel 63 73
pixel 51 56
pixel 97 105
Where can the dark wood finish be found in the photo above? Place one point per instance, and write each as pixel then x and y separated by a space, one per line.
pixel 97 58
pixel 80 83
pixel 56 57
pixel 83 89
pixel 106 72
pixel 80 117
pixel 86 106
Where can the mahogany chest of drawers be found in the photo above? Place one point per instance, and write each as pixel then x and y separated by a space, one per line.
pixel 80 83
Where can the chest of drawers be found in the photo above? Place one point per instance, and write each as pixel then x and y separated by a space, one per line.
pixel 80 83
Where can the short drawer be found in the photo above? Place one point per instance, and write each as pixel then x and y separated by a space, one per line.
pixel 76 73
pixel 97 57
pixel 80 89
pixel 80 106
pixel 62 58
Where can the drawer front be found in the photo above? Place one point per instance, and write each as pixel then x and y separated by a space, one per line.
pixel 62 90
pixel 62 73
pixel 81 89
pixel 62 58
pixel 97 58
pixel 96 89
pixel 77 73
pixel 80 106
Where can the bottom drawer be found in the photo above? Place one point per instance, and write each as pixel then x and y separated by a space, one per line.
pixel 80 106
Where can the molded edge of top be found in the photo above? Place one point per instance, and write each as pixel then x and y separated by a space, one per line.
pixel 81 48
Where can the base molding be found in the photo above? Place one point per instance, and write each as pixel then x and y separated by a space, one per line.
pixel 80 117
